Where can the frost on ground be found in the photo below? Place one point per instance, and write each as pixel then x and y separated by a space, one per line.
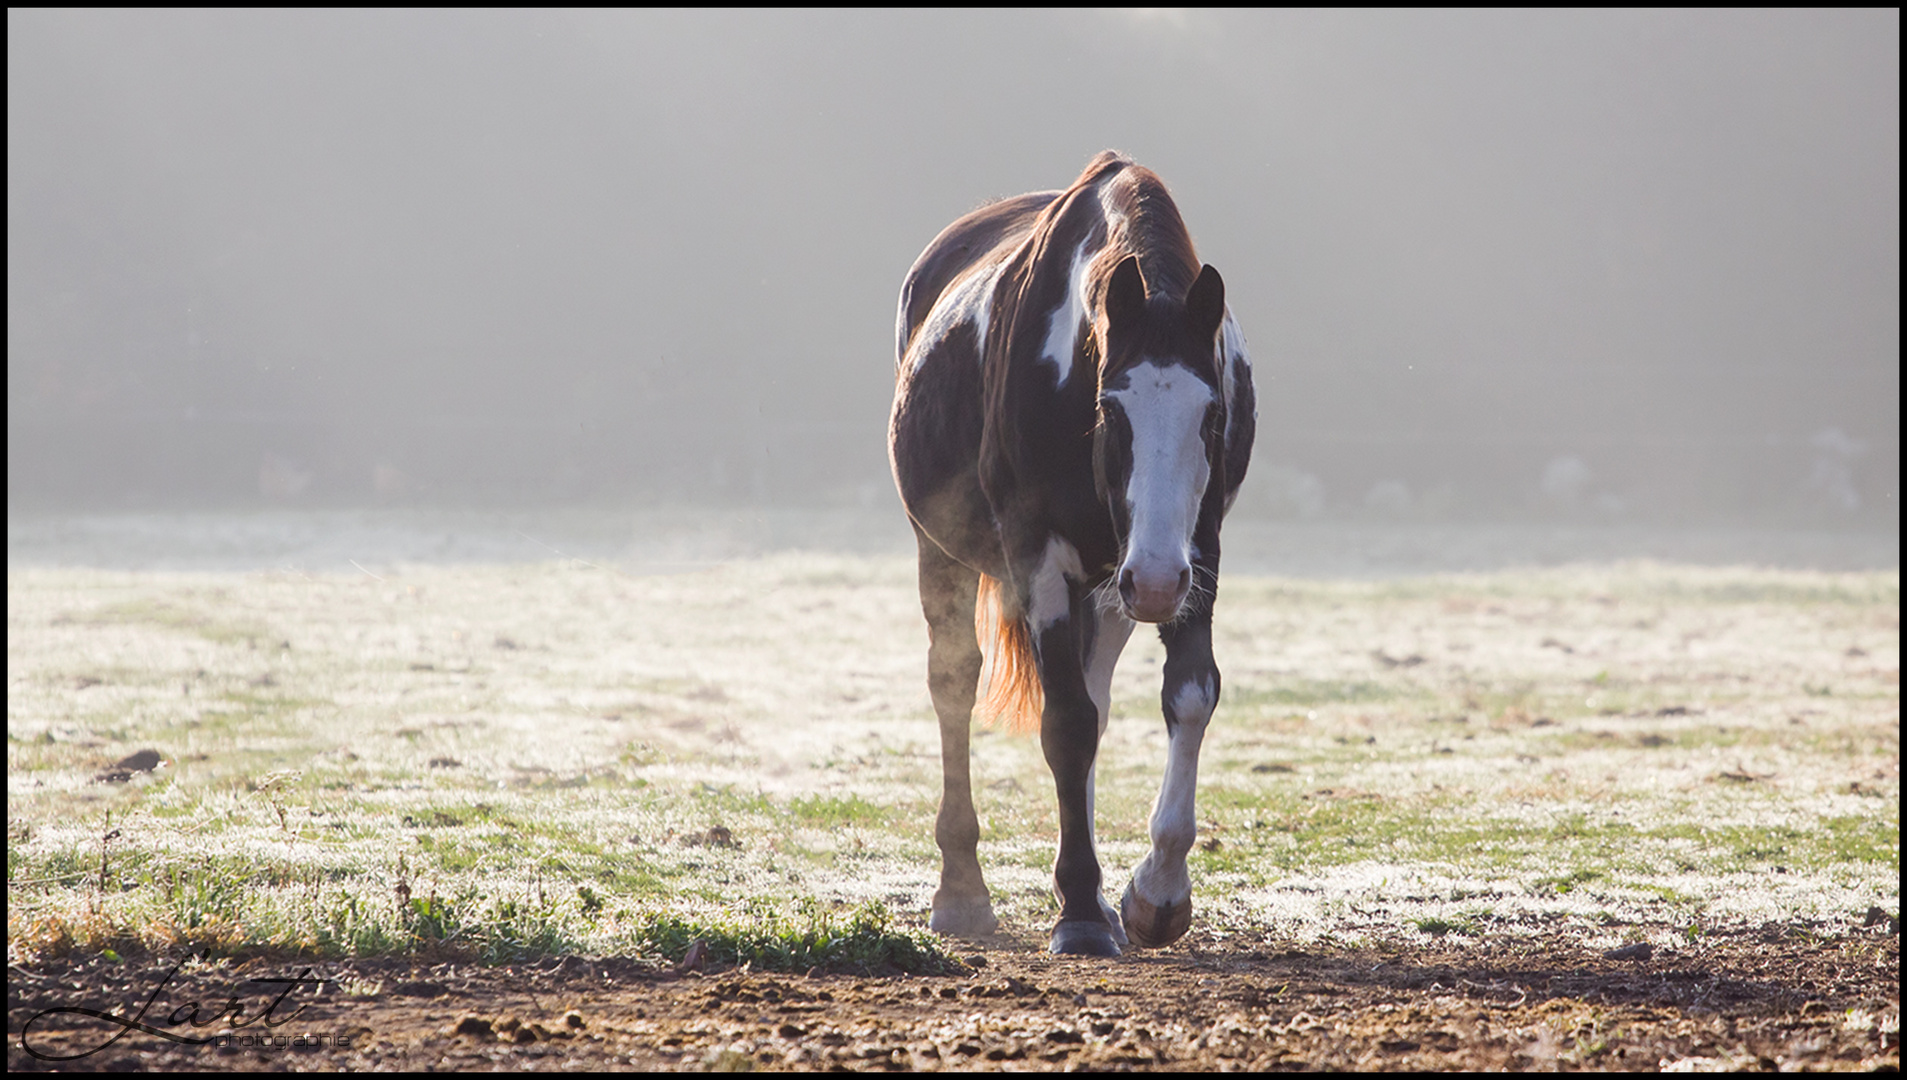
pixel 553 751
pixel 1589 816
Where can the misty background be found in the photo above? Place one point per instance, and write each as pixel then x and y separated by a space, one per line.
pixel 1636 268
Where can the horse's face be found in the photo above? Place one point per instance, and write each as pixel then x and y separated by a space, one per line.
pixel 1159 439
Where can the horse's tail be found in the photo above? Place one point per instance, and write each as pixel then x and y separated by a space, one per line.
pixel 1013 694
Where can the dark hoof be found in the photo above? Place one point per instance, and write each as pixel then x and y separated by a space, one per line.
pixel 1083 938
pixel 963 918
pixel 1150 927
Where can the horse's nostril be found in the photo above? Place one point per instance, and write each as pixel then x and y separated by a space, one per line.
pixel 1185 579
pixel 1125 585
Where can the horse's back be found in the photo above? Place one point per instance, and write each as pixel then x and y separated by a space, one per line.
pixel 935 431
pixel 960 246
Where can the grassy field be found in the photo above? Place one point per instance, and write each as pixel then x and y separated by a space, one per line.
pixel 509 762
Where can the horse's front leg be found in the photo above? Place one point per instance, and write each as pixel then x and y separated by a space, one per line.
pixel 1108 639
pixel 1157 907
pixel 1069 738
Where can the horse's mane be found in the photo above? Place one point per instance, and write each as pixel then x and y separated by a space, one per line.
pixel 1152 230
pixel 1136 213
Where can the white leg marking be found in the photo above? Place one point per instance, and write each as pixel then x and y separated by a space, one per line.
pixel 1109 640
pixel 1194 702
pixel 1050 599
pixel 1162 878
pixel 1069 318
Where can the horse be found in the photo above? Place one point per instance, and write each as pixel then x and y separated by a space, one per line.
pixel 1073 414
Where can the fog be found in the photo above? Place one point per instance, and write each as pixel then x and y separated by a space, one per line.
pixel 1599 267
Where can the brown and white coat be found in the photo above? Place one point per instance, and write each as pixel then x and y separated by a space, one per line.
pixel 1073 415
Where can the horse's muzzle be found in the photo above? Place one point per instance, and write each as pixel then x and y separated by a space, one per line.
pixel 1153 592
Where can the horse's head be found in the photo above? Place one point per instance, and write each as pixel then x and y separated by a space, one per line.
pixel 1159 440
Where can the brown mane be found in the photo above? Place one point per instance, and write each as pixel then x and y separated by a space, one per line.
pixel 1128 208
pixel 1153 230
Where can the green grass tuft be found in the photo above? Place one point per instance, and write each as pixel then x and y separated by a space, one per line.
pixel 862 940
pixel 828 810
pixel 1462 926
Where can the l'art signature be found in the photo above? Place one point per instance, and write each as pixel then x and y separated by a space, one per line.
pixel 232 1014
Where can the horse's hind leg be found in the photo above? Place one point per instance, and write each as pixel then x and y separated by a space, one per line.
pixel 948 592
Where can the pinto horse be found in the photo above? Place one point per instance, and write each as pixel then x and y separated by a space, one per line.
pixel 1073 415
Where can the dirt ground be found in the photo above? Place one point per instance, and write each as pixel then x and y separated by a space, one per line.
pixel 1755 998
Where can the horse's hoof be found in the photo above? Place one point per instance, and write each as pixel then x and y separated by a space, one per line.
pixel 1150 926
pixel 1117 923
pixel 963 918
pixel 1081 937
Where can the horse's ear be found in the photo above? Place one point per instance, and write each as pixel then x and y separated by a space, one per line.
pixel 1125 293
pixel 1205 303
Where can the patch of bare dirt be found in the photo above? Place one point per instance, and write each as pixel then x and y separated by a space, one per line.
pixel 1754 998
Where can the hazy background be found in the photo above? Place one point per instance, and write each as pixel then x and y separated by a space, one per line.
pixel 1638 268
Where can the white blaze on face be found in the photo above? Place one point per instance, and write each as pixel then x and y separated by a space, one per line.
pixel 1165 406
